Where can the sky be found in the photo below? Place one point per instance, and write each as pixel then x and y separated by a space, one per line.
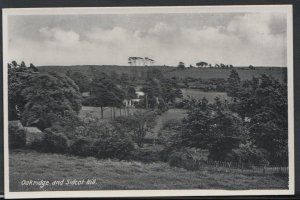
pixel 240 39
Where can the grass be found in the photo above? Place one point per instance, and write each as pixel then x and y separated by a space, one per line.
pixel 96 112
pixel 160 120
pixel 244 73
pixel 169 71
pixel 168 115
pixel 199 94
pixel 124 175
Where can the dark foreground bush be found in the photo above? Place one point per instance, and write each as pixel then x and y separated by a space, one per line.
pixel 52 143
pixel 82 147
pixel 114 147
pixel 183 160
pixel 146 155
pixel 17 136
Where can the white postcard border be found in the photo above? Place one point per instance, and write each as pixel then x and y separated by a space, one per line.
pixel 147 10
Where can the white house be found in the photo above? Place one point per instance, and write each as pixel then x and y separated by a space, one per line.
pixel 131 102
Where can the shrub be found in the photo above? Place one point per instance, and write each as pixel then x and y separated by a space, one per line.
pixel 113 146
pixel 17 136
pixel 53 143
pixel 164 155
pixel 172 124
pixel 182 159
pixel 146 155
pixel 68 124
pixel 82 147
pixel 176 159
pixel 248 154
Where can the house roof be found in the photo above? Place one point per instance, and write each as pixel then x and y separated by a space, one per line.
pixel 85 94
pixel 32 129
pixel 16 123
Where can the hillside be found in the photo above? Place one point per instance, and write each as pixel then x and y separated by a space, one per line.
pixel 168 71
pixel 124 175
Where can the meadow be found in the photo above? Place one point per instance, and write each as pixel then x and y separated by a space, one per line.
pixel 96 112
pixel 244 73
pixel 168 71
pixel 126 175
pixel 160 119
pixel 199 94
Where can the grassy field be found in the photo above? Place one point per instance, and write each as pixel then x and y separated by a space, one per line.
pixel 168 71
pixel 168 115
pixel 198 94
pixel 160 120
pixel 123 175
pixel 96 112
pixel 244 73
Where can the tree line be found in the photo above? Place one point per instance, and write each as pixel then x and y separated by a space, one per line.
pixel 251 128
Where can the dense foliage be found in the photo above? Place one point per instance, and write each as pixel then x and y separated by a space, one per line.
pixel 39 99
pixel 251 127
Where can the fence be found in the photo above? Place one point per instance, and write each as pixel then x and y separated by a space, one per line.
pixel 235 166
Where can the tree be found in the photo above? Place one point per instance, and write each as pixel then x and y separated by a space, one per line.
pixel 140 124
pixel 181 66
pixel 154 74
pixel 170 90
pixel 214 128
pixel 115 77
pixel 251 67
pixel 131 93
pixel 14 64
pixel 202 64
pixel 104 93
pixel 23 65
pixel 152 92
pixel 233 83
pixel 263 100
pixel 33 68
pixel 37 99
pixel 81 80
pixel 124 80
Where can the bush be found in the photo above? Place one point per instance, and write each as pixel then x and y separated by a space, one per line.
pixel 113 146
pixel 53 143
pixel 176 159
pixel 248 154
pixel 17 136
pixel 183 160
pixel 146 155
pixel 82 147
pixel 164 155
pixel 68 124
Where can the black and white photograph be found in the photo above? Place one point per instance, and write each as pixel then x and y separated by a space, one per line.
pixel 148 101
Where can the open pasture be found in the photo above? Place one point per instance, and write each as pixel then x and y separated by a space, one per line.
pixel 107 113
pixel 127 175
pixel 204 73
pixel 199 94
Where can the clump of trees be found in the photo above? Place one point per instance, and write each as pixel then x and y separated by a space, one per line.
pixel 252 128
pixel 221 65
pixel 139 61
pixel 39 99
pixel 104 93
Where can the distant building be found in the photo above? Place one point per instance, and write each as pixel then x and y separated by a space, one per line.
pixel 33 135
pixel 132 102
pixel 16 124
pixel 85 94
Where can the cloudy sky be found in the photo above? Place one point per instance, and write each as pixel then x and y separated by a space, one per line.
pixel 240 39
